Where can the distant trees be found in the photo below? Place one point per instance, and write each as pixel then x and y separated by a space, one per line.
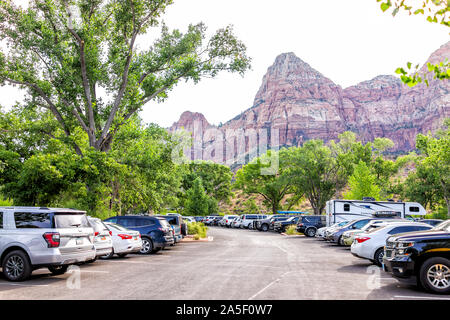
pixel 362 183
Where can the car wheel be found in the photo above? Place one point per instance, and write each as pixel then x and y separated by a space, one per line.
pixel 147 246
pixel 340 241
pixel 58 270
pixel 435 275
pixel 16 266
pixel 108 256
pixel 310 232
pixel 264 227
pixel 378 257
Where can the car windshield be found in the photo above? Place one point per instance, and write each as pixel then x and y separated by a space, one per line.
pixel 71 220
pixel 443 226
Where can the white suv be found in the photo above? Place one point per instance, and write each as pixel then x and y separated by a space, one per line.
pixel 247 220
pixel 33 238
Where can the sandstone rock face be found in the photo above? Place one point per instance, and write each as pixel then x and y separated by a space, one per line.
pixel 297 103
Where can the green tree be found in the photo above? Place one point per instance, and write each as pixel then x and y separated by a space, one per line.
pixel 436 157
pixel 197 202
pixel 79 60
pixel 362 184
pixel 314 170
pixel 273 187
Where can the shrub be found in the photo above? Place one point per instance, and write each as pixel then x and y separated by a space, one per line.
pixel 197 229
pixel 291 230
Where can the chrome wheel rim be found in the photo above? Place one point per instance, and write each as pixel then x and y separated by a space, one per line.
pixel 145 246
pixel 438 276
pixel 380 257
pixel 15 267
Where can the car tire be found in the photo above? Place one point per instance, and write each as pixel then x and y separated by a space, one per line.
pixel 93 260
pixel 58 270
pixel 378 257
pixel 265 228
pixel 108 256
pixel 147 246
pixel 440 281
pixel 16 266
pixel 310 232
pixel 340 241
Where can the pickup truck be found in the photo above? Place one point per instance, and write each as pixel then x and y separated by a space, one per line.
pixel 421 257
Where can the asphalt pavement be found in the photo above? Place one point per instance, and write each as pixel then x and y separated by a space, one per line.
pixel 236 265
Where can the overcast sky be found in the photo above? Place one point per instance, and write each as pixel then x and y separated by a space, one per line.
pixel 348 41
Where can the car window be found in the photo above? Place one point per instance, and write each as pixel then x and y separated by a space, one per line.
pixel 164 223
pixel 403 229
pixel 71 220
pixel 116 226
pixel 360 224
pixel 444 226
pixel 32 220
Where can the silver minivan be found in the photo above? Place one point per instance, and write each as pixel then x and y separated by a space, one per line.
pixel 32 238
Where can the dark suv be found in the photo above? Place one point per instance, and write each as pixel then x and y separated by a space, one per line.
pixel 421 257
pixel 156 233
pixel 308 225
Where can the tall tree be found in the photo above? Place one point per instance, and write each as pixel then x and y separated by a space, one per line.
pixel 272 187
pixel 362 183
pixel 197 202
pixel 79 59
pixel 316 172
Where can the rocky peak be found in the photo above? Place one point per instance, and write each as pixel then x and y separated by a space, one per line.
pixel 188 119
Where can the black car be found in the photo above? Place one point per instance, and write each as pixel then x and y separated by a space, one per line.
pixel 215 221
pixel 281 225
pixel 308 225
pixel 156 233
pixel 421 257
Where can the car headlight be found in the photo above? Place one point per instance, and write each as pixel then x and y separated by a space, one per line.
pixel 402 245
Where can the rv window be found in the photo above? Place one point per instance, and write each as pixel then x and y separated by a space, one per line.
pixel 413 209
pixel 346 207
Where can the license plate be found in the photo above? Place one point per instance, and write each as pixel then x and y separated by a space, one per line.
pixel 79 241
pixel 135 238
pixel 103 238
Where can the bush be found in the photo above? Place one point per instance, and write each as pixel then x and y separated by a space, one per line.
pixel 5 202
pixel 197 229
pixel 291 230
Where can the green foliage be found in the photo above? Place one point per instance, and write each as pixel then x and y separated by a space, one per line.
pixel 362 184
pixel 197 201
pixel 249 207
pixel 315 171
pixel 292 230
pixel 63 53
pixel 266 176
pixel 197 228
pixel 435 11
pixel 5 202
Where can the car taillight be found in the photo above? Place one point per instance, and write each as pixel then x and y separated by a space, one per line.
pixel 110 233
pixel 96 234
pixel 300 224
pixel 125 236
pixel 362 239
pixel 52 239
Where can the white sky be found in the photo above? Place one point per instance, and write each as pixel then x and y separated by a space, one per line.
pixel 348 41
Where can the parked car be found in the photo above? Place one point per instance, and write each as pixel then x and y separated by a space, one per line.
pixel 124 240
pixel 247 220
pixel 309 225
pixel 370 245
pixel 421 258
pixel 273 220
pixel 236 223
pixel 199 218
pixel 321 232
pixel 281 225
pixel 189 219
pixel 336 235
pixel 215 220
pixel 226 221
pixel 176 222
pixel 208 220
pixel 348 237
pixel 33 238
pixel 156 233
pixel 265 223
pixel 102 238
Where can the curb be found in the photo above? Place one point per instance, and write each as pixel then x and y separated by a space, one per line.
pixel 191 239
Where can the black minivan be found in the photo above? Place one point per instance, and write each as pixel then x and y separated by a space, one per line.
pixel 156 233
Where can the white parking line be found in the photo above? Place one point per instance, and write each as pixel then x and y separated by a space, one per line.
pixel 24 285
pixel 268 286
pixel 419 297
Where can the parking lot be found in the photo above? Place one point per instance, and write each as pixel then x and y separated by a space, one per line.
pixel 237 264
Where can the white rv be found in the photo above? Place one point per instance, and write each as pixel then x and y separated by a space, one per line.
pixel 340 210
